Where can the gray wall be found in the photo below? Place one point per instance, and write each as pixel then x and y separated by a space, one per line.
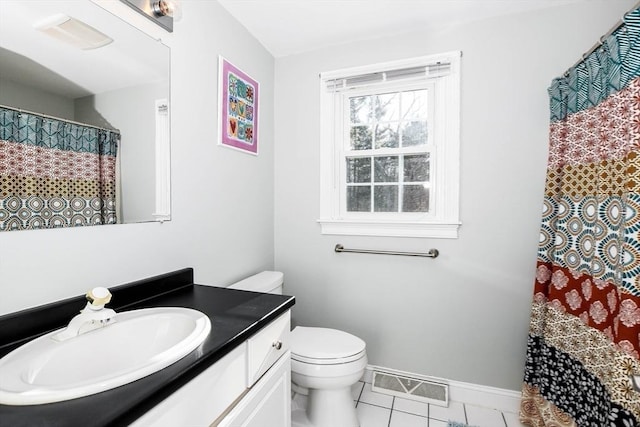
pixel 124 110
pixel 463 316
pixel 222 199
pixel 17 95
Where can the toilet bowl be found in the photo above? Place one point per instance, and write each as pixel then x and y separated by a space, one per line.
pixel 325 363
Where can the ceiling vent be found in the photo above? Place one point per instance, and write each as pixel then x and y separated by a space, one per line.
pixel 73 32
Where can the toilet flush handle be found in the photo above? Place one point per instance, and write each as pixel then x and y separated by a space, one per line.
pixel 277 345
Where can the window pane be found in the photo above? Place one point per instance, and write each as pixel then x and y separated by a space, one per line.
pixel 386 169
pixel 358 169
pixel 387 135
pixel 416 168
pixel 359 198
pixel 385 198
pixel 414 105
pixel 386 107
pixel 414 133
pixel 360 109
pixel 361 138
pixel 415 198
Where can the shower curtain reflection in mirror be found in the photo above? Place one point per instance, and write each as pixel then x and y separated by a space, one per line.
pixel 55 173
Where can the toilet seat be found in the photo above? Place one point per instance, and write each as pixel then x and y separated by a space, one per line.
pixel 324 346
pixel 313 361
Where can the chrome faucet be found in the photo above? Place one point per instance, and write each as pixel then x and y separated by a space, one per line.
pixel 93 316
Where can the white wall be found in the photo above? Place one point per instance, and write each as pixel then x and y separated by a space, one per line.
pixel 464 315
pixel 222 199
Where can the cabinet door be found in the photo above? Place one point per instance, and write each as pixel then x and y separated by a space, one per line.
pixel 268 403
pixel 204 398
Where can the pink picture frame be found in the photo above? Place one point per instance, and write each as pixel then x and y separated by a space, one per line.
pixel 239 100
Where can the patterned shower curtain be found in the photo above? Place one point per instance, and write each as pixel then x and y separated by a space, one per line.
pixel 55 173
pixel 584 340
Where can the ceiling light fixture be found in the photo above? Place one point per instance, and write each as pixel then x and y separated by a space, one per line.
pixel 162 12
pixel 166 8
pixel 161 8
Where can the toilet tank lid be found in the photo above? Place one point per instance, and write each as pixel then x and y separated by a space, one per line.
pixel 266 281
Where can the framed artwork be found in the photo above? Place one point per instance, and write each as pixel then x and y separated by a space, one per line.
pixel 239 96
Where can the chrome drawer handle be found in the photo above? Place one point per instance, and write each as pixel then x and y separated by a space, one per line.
pixel 277 345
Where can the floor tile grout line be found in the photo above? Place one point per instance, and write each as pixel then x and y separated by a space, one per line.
pixel 411 413
pixel 464 407
pixel 360 394
pixel 373 404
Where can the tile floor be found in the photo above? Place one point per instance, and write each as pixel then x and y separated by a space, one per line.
pixel 381 410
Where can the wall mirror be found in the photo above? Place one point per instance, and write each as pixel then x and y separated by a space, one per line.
pixel 71 74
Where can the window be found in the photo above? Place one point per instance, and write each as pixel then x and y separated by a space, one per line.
pixel 390 149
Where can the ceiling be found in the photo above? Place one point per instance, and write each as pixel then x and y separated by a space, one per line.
pixel 287 27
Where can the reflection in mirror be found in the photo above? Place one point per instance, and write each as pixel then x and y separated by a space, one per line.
pixel 69 114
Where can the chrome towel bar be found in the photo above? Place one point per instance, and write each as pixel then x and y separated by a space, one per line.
pixel 431 253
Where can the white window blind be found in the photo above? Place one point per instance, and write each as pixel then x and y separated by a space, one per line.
pixel 438 69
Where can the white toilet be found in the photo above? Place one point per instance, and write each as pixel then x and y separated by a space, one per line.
pixel 326 362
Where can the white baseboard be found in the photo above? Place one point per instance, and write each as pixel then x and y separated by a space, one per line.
pixel 474 394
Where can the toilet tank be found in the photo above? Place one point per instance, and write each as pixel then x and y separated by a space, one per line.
pixel 269 282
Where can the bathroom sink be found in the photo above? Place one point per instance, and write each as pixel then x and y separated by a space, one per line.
pixel 137 344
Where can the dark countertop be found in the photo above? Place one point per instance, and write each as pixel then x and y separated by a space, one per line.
pixel 235 316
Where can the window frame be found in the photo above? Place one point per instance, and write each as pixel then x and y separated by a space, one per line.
pixel 345 152
pixel 442 220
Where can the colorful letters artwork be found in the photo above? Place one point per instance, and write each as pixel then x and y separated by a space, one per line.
pixel 239 93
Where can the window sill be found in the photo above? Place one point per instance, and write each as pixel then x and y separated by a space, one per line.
pixel 389 229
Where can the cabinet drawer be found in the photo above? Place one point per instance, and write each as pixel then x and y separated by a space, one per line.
pixel 266 347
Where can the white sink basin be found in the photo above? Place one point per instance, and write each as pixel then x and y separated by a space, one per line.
pixel 138 344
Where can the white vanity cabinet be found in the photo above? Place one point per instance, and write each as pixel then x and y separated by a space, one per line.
pixel 268 402
pixel 248 387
